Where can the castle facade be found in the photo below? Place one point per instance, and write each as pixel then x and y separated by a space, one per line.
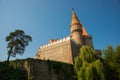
pixel 66 49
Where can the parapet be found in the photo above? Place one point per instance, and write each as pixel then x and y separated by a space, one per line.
pixel 56 42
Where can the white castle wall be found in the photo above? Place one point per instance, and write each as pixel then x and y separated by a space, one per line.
pixel 56 42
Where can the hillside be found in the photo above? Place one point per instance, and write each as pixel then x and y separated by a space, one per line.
pixel 31 69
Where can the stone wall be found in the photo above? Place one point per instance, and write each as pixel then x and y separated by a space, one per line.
pixel 88 40
pixel 59 52
pixel 45 70
pixel 48 70
pixel 75 49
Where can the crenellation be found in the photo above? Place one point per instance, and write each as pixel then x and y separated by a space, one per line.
pixel 56 42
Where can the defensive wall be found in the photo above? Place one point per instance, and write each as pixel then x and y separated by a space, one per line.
pixel 62 50
pixel 44 70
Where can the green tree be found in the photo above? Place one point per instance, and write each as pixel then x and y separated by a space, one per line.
pixel 88 65
pixel 17 41
pixel 112 61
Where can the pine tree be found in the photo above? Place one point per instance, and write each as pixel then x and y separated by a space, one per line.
pixel 17 41
pixel 112 61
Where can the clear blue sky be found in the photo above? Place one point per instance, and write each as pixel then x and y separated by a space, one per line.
pixel 46 19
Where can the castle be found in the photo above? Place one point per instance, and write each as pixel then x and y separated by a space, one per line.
pixel 66 49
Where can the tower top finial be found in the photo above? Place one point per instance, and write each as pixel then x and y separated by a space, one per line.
pixel 72 9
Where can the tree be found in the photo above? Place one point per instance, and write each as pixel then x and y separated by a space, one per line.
pixel 17 41
pixel 88 65
pixel 112 60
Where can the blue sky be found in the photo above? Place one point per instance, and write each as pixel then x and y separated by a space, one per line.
pixel 48 19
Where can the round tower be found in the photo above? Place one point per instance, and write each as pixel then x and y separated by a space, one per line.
pixel 76 29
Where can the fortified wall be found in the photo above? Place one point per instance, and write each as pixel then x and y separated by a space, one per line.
pixel 44 70
pixel 61 50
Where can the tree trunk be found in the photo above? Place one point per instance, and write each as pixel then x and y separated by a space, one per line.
pixel 8 59
pixel 9 53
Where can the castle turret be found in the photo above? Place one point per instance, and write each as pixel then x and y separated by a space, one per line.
pixel 76 29
pixel 66 49
pixel 87 39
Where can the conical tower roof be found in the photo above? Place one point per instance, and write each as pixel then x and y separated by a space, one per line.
pixel 75 20
pixel 84 31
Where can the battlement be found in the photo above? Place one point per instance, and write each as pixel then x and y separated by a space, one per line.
pixel 56 42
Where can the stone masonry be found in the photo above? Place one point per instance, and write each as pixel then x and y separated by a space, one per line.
pixel 66 49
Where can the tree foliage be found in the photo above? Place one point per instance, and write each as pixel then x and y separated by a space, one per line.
pixel 112 61
pixel 17 41
pixel 88 65
pixel 12 73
